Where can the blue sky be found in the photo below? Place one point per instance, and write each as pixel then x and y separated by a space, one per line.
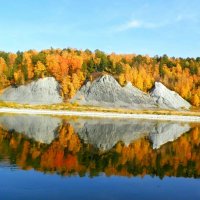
pixel 153 27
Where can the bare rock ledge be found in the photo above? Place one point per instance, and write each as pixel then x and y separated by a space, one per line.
pixel 103 92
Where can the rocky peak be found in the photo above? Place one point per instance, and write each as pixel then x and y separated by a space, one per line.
pixel 135 91
pixel 160 88
pixel 167 98
pixel 107 80
pixel 128 86
pixel 107 92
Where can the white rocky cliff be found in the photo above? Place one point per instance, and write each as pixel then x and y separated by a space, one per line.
pixel 42 91
pixel 166 98
pixel 103 92
pixel 106 92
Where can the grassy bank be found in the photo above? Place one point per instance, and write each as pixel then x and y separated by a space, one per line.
pixel 74 107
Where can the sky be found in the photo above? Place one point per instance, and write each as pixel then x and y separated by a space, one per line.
pixel 147 27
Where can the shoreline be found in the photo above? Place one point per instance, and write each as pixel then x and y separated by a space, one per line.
pixel 98 114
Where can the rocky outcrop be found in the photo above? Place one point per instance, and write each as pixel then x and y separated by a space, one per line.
pixel 40 128
pixel 42 91
pixel 166 98
pixel 106 133
pixel 103 92
pixel 106 92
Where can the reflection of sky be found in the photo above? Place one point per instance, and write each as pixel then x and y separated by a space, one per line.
pixel 35 185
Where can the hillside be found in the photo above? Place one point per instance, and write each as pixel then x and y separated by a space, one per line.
pixel 42 91
pixel 71 68
pixel 105 91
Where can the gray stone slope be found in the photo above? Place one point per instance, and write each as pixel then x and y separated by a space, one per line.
pixel 40 128
pixel 106 92
pixel 166 98
pixel 42 91
pixel 105 133
pixel 103 92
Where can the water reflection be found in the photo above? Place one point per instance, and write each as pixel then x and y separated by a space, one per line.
pixel 41 128
pixel 105 133
pixel 90 146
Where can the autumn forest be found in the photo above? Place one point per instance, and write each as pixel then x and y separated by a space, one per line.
pixel 72 68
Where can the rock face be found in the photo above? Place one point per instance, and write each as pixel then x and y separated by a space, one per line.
pixel 42 91
pixel 40 128
pixel 166 98
pixel 105 133
pixel 106 91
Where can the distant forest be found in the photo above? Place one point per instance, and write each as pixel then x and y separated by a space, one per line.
pixel 72 67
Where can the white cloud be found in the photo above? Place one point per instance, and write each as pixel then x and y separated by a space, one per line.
pixel 131 24
pixel 186 17
pixel 135 24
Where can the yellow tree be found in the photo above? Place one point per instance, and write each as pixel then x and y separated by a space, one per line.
pixel 196 100
pixel 12 57
pixel 3 65
pixel 27 60
pixel 19 77
pixel 121 79
pixel 58 66
pixel 75 81
pixel 66 86
pixel 40 69
pixel 3 81
pixel 139 82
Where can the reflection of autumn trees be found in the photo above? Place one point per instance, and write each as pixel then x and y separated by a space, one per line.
pixel 72 67
pixel 68 155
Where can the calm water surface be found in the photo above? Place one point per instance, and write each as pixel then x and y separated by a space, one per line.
pixel 80 158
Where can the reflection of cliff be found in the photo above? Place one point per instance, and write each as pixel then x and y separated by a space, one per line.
pixel 167 132
pixel 67 155
pixel 102 133
pixel 105 133
pixel 40 128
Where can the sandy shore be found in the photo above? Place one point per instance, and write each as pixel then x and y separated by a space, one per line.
pixel 101 114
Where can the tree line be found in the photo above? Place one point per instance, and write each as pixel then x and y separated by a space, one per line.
pixel 72 67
